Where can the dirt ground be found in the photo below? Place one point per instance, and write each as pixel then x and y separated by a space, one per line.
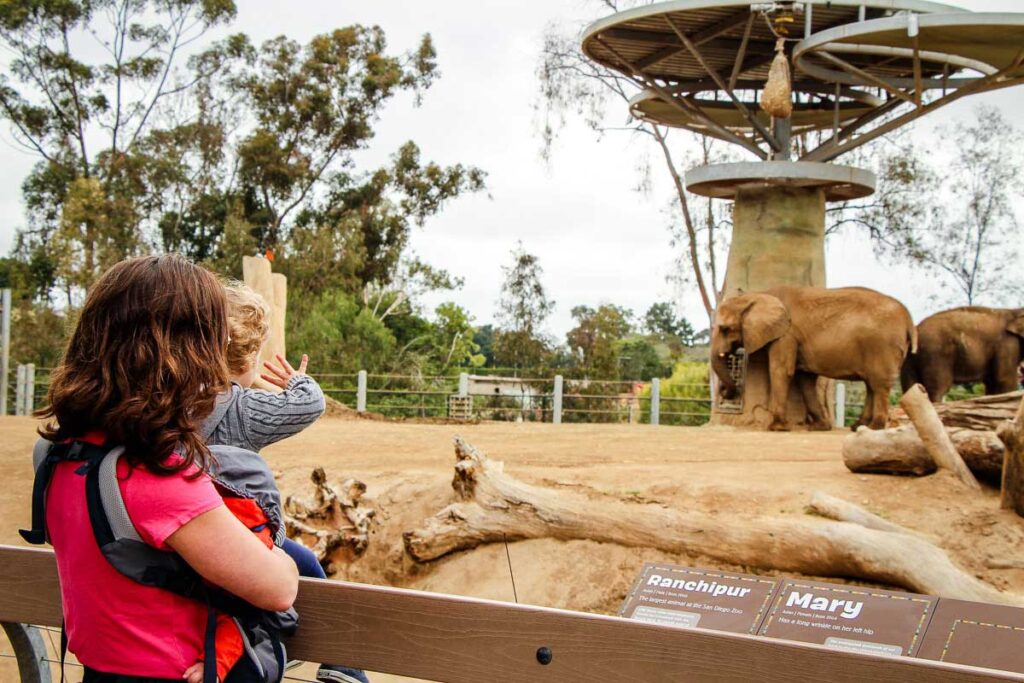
pixel 407 468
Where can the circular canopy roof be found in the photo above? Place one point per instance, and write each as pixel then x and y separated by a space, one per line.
pixel 815 111
pixel 648 37
pixel 702 64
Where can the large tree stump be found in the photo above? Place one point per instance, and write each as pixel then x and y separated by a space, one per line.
pixel 494 507
pixel 900 450
pixel 1012 435
pixel 933 434
pixel 331 519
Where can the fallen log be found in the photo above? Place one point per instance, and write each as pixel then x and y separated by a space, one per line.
pixel 841 510
pixel 331 519
pixel 933 434
pixel 1012 435
pixel 900 450
pixel 493 506
pixel 983 413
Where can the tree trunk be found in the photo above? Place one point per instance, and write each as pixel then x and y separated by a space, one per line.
pixel 984 413
pixel 933 434
pixel 900 450
pixel 1012 434
pixel 495 507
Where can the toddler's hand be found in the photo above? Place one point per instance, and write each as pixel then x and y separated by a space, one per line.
pixel 194 674
pixel 282 371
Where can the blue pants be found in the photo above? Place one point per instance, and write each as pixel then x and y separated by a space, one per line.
pixel 304 558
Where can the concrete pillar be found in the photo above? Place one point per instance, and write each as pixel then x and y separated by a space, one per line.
pixel 30 389
pixel 655 401
pixel 361 391
pixel 19 391
pixel 463 384
pixel 778 238
pixel 5 346
pixel 840 419
pixel 556 403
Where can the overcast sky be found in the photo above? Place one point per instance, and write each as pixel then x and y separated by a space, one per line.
pixel 598 240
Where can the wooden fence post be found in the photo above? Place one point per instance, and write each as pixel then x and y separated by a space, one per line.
pixel 556 407
pixel 361 392
pixel 463 384
pixel 656 401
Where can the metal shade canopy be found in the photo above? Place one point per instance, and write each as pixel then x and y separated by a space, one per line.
pixel 977 52
pixel 707 60
pixel 816 111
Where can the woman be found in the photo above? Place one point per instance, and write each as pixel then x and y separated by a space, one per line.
pixel 142 369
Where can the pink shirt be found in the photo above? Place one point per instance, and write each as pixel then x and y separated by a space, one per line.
pixel 114 624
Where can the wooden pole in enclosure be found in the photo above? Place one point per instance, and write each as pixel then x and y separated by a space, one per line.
pixel 655 401
pixel 933 434
pixel 1012 434
pixel 5 346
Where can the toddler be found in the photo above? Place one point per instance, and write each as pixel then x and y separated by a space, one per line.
pixel 251 419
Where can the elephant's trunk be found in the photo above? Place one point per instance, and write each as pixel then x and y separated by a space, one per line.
pixel 727 386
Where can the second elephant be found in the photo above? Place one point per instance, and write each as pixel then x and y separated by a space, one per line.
pixel 850 333
pixel 967 344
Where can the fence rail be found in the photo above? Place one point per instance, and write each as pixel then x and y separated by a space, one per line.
pixel 557 399
pixel 465 640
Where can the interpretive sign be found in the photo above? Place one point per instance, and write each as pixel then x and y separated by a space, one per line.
pixel 976 634
pixel 687 598
pixel 849 618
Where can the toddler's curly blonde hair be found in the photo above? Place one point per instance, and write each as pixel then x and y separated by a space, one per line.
pixel 248 325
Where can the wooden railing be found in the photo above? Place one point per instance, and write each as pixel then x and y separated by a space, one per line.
pixel 449 638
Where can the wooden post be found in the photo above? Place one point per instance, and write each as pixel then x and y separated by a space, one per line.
pixel 840 420
pixel 933 434
pixel 463 384
pixel 5 346
pixel 19 391
pixel 556 408
pixel 361 392
pixel 656 401
pixel 1012 435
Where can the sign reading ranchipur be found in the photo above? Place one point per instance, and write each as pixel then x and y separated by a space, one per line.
pixel 842 617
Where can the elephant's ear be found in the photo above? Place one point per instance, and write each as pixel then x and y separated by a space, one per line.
pixel 1016 325
pixel 765 320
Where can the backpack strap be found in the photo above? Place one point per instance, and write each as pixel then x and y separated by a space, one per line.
pixel 53 454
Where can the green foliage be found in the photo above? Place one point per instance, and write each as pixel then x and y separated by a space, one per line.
pixel 341 336
pixel 594 340
pixel 215 154
pixel 661 320
pixel 640 359
pixel 689 381
pixel 522 310
pixel 452 342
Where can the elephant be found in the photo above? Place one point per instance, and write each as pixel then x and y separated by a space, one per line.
pixel 850 333
pixel 967 344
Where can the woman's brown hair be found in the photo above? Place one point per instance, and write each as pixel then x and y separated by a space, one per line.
pixel 145 363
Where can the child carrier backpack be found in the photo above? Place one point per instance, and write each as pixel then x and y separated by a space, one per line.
pixel 263 659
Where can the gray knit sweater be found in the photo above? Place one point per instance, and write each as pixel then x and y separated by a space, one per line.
pixel 252 419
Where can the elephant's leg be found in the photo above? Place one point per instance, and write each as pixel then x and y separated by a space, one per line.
pixel 868 410
pixel 781 368
pixel 809 389
pixel 880 404
pixel 1002 375
pixel 937 377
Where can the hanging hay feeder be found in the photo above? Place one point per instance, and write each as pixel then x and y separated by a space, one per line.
pixel 777 96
